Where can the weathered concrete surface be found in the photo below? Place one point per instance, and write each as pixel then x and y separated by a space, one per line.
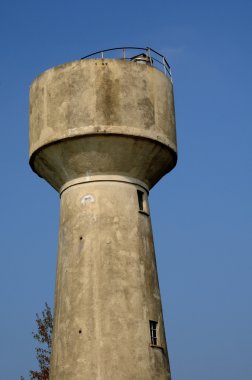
pixel 107 287
pixel 109 116
pixel 99 131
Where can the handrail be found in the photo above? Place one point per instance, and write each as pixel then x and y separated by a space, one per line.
pixel 152 54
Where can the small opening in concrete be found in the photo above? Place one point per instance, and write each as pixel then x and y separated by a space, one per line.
pixel 140 195
pixel 81 237
pixel 80 331
pixel 153 333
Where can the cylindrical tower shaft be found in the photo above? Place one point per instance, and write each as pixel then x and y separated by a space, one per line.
pixel 107 288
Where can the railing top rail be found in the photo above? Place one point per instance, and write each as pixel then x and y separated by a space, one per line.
pixel 151 53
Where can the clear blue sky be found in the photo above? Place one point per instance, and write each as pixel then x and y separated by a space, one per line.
pixel 201 212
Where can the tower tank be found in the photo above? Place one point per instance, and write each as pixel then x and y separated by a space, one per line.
pixel 102 133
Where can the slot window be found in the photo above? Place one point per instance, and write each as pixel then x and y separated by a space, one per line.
pixel 153 333
pixel 140 196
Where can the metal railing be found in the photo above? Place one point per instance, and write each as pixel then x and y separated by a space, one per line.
pixel 154 58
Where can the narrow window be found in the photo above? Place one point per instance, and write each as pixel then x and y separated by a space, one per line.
pixel 140 195
pixel 153 332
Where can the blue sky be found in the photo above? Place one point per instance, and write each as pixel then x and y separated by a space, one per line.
pixel 201 212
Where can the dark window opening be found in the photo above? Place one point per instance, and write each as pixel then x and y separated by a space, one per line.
pixel 140 195
pixel 153 332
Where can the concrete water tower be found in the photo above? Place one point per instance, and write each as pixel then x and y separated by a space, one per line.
pixel 102 133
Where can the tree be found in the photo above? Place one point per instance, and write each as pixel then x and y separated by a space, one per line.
pixel 44 337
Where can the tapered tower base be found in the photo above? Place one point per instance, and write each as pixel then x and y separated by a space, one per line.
pixel 107 287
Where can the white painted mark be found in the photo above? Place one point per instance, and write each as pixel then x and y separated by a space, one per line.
pixel 88 198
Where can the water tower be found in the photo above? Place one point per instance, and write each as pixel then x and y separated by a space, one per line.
pixel 102 133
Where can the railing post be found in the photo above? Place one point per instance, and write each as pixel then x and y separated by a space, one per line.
pixel 170 75
pixel 124 56
pixel 102 54
pixel 149 54
pixel 164 65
